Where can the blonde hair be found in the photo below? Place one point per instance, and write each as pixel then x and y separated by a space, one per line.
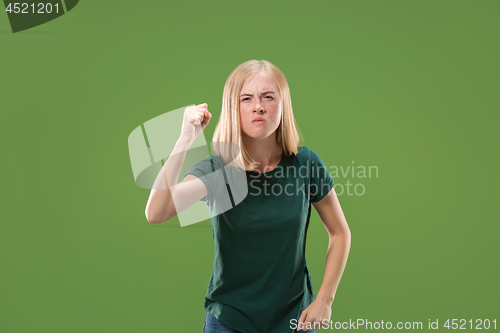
pixel 228 129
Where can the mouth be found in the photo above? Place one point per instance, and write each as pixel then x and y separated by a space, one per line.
pixel 258 121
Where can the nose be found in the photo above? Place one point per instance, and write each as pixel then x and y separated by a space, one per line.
pixel 258 107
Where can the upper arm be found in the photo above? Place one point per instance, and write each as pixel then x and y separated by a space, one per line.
pixel 187 192
pixel 331 214
pixel 196 179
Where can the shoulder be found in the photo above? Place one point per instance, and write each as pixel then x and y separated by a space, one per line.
pixel 308 156
pixel 209 164
pixel 204 162
pixel 306 153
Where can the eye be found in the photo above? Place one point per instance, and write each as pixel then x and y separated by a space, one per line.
pixel 244 99
pixel 270 97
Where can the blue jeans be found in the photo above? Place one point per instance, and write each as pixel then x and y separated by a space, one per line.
pixel 212 325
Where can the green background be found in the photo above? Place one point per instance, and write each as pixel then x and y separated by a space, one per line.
pixel 408 86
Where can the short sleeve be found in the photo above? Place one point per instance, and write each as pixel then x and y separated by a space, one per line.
pixel 321 182
pixel 201 170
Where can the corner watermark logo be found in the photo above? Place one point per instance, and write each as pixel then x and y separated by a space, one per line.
pixel 151 144
pixel 28 14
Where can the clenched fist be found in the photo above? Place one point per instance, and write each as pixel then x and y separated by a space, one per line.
pixel 196 118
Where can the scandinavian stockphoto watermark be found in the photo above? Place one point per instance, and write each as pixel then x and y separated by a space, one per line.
pixel 311 179
pixel 308 179
pixel 356 324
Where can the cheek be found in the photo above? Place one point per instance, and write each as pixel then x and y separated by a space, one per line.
pixel 277 115
pixel 245 115
pixel 242 117
pixel 243 120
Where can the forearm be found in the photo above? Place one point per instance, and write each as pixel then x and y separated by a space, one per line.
pixel 336 258
pixel 160 206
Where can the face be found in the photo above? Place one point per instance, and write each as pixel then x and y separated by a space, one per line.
pixel 260 106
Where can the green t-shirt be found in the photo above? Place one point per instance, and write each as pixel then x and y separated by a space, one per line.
pixel 260 280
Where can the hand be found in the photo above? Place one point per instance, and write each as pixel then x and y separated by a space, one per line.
pixel 317 312
pixel 195 119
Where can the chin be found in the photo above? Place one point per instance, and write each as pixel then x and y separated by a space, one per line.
pixel 259 135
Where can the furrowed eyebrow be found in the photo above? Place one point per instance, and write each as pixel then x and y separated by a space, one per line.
pixel 265 92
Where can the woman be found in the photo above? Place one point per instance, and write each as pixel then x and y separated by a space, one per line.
pixel 260 281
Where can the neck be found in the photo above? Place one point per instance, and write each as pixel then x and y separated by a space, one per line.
pixel 266 151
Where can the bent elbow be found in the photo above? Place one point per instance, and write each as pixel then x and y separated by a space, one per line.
pixel 153 219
